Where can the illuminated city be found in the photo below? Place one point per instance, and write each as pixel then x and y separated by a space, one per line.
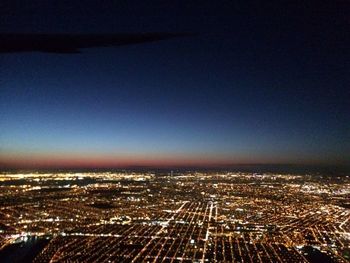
pixel 177 217
pixel 174 131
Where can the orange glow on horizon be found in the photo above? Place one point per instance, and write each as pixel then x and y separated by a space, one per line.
pixel 33 160
pixel 113 161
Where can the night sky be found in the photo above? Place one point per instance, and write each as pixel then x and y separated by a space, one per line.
pixel 256 83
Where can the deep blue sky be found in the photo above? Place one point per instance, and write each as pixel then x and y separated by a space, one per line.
pixel 256 84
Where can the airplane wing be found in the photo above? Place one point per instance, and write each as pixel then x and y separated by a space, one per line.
pixel 73 43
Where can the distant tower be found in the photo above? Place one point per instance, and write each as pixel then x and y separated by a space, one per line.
pixel 171 173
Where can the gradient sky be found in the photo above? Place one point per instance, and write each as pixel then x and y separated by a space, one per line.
pixel 256 84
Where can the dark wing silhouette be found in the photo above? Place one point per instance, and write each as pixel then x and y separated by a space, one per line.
pixel 72 43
